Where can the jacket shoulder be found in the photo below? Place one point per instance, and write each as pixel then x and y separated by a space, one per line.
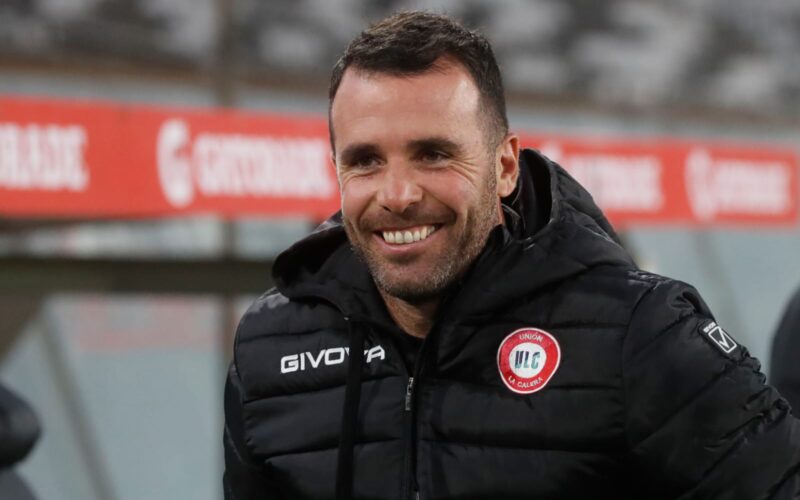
pixel 661 304
pixel 655 299
pixel 274 327
pixel 602 295
pixel 698 412
pixel 274 315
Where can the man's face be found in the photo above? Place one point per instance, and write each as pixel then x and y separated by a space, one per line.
pixel 420 180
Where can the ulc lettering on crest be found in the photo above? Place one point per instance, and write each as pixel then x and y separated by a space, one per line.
pixel 526 359
pixel 327 357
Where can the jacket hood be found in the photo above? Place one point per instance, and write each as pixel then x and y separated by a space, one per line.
pixel 553 230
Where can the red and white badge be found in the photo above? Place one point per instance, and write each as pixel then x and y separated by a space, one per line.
pixel 527 359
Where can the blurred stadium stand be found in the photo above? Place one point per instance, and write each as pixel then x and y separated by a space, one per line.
pixel 118 331
pixel 736 55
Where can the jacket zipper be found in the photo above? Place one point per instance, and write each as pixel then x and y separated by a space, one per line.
pixel 409 393
pixel 409 474
pixel 411 487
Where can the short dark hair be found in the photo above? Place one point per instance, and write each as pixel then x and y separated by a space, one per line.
pixel 410 43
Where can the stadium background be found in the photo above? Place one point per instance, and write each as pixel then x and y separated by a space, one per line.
pixel 118 330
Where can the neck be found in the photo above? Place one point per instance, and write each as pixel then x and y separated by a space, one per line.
pixel 415 319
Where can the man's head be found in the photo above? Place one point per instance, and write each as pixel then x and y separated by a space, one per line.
pixel 411 43
pixel 421 149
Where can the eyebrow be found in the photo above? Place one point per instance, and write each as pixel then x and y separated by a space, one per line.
pixel 434 143
pixel 354 151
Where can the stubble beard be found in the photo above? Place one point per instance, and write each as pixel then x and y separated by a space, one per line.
pixel 450 266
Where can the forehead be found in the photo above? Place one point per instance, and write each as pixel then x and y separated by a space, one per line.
pixel 443 99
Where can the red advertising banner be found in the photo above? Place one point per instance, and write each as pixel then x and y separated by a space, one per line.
pixel 80 159
pixel 668 181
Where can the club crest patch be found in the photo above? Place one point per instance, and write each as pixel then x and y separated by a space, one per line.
pixel 527 359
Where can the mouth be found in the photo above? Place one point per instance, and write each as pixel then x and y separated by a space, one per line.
pixel 408 235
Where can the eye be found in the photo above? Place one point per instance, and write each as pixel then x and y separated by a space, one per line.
pixel 433 156
pixel 365 162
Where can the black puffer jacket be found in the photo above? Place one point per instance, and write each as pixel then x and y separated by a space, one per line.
pixel 649 399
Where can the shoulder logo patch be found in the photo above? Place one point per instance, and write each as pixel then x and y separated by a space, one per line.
pixel 527 359
pixel 717 335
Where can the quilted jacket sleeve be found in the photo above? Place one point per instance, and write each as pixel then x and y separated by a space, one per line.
pixel 243 478
pixel 700 421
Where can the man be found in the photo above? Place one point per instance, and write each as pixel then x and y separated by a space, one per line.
pixel 469 327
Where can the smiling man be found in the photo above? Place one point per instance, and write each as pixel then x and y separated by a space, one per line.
pixel 419 195
pixel 469 327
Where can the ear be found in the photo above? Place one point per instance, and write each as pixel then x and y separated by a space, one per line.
pixel 507 165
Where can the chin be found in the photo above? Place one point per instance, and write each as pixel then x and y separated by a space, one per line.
pixel 412 291
pixel 411 294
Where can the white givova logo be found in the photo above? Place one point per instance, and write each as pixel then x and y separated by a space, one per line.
pixel 327 357
pixel 527 360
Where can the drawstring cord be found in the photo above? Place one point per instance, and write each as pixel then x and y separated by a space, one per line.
pixel 352 397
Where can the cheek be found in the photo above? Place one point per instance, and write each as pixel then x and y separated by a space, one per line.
pixel 455 192
pixel 355 197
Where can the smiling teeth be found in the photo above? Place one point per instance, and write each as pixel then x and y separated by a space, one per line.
pixel 408 236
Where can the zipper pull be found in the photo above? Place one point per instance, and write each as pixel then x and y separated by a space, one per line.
pixel 409 393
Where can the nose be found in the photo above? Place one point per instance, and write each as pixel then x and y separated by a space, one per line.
pixel 399 190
